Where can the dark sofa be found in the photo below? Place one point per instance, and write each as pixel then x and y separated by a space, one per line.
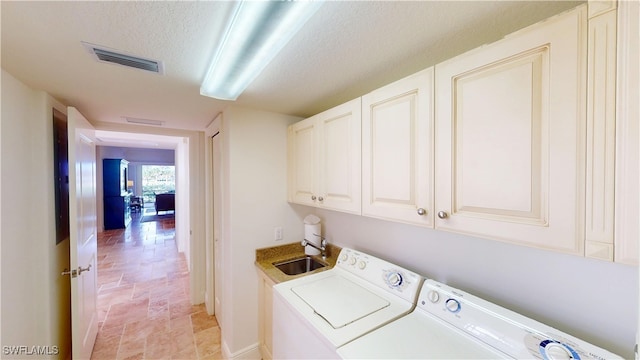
pixel 165 202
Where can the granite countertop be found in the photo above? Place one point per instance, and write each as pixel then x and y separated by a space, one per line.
pixel 265 258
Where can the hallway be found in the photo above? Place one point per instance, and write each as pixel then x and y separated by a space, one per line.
pixel 143 298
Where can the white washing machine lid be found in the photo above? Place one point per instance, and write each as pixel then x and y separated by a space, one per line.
pixel 339 301
pixel 321 315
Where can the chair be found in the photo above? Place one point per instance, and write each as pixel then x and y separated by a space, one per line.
pixel 136 203
pixel 165 202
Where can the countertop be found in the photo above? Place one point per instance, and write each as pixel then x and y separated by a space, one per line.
pixel 265 258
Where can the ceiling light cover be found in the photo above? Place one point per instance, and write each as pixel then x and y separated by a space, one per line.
pixel 256 32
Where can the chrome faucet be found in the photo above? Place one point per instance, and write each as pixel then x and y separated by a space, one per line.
pixel 322 248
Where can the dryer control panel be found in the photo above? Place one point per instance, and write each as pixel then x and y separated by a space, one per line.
pixel 393 278
pixel 503 329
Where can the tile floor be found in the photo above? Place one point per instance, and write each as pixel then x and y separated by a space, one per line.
pixel 143 298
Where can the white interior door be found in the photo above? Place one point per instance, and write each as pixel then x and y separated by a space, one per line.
pixel 83 233
pixel 217 222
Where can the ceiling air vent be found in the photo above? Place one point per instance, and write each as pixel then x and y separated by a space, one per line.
pixel 103 54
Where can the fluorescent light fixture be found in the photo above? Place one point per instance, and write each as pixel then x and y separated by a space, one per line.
pixel 256 32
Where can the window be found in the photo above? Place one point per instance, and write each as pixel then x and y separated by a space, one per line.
pixel 157 179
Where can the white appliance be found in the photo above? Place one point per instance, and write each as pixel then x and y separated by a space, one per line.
pixel 451 324
pixel 316 314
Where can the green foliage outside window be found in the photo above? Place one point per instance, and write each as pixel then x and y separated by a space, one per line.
pixel 157 179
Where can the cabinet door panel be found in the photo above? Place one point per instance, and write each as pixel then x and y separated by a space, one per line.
pixel 510 137
pixel 497 160
pixel 392 148
pixel 340 148
pixel 397 151
pixel 265 315
pixel 303 161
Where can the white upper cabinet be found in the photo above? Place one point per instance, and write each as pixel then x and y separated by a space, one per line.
pixel 627 172
pixel 509 140
pixel 324 159
pixel 601 131
pixel 397 150
pixel 533 140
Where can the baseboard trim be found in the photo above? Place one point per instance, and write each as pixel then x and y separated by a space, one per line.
pixel 251 352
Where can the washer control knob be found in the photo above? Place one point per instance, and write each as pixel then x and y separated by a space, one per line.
pixel 555 350
pixel 344 257
pixel 453 305
pixel 394 279
pixel 353 261
pixel 433 296
pixel 362 265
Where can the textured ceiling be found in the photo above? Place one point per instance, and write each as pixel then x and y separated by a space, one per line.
pixel 347 49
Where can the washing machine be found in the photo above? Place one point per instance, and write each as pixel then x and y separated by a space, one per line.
pixel 451 324
pixel 314 315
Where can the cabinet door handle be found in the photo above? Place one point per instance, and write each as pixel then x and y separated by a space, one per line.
pixel 313 197
pixel 442 214
pixel 422 211
pixel 320 198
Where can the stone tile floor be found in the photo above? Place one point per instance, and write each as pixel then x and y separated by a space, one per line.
pixel 144 310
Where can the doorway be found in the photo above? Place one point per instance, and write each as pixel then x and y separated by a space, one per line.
pixel 183 149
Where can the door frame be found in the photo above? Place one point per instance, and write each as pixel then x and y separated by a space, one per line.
pixel 190 227
pixel 215 127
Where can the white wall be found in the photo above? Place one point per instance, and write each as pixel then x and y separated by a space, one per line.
pixel 591 299
pixel 254 166
pixel 35 297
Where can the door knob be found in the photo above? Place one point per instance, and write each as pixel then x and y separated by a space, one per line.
pixel 421 211
pixel 442 214
pixel 81 270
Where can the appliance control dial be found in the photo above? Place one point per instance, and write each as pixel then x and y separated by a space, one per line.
pixel 433 296
pixel 394 279
pixel 554 350
pixel 362 265
pixel 344 257
pixel 352 261
pixel 453 305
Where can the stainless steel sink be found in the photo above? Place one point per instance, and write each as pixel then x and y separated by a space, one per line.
pixel 299 266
